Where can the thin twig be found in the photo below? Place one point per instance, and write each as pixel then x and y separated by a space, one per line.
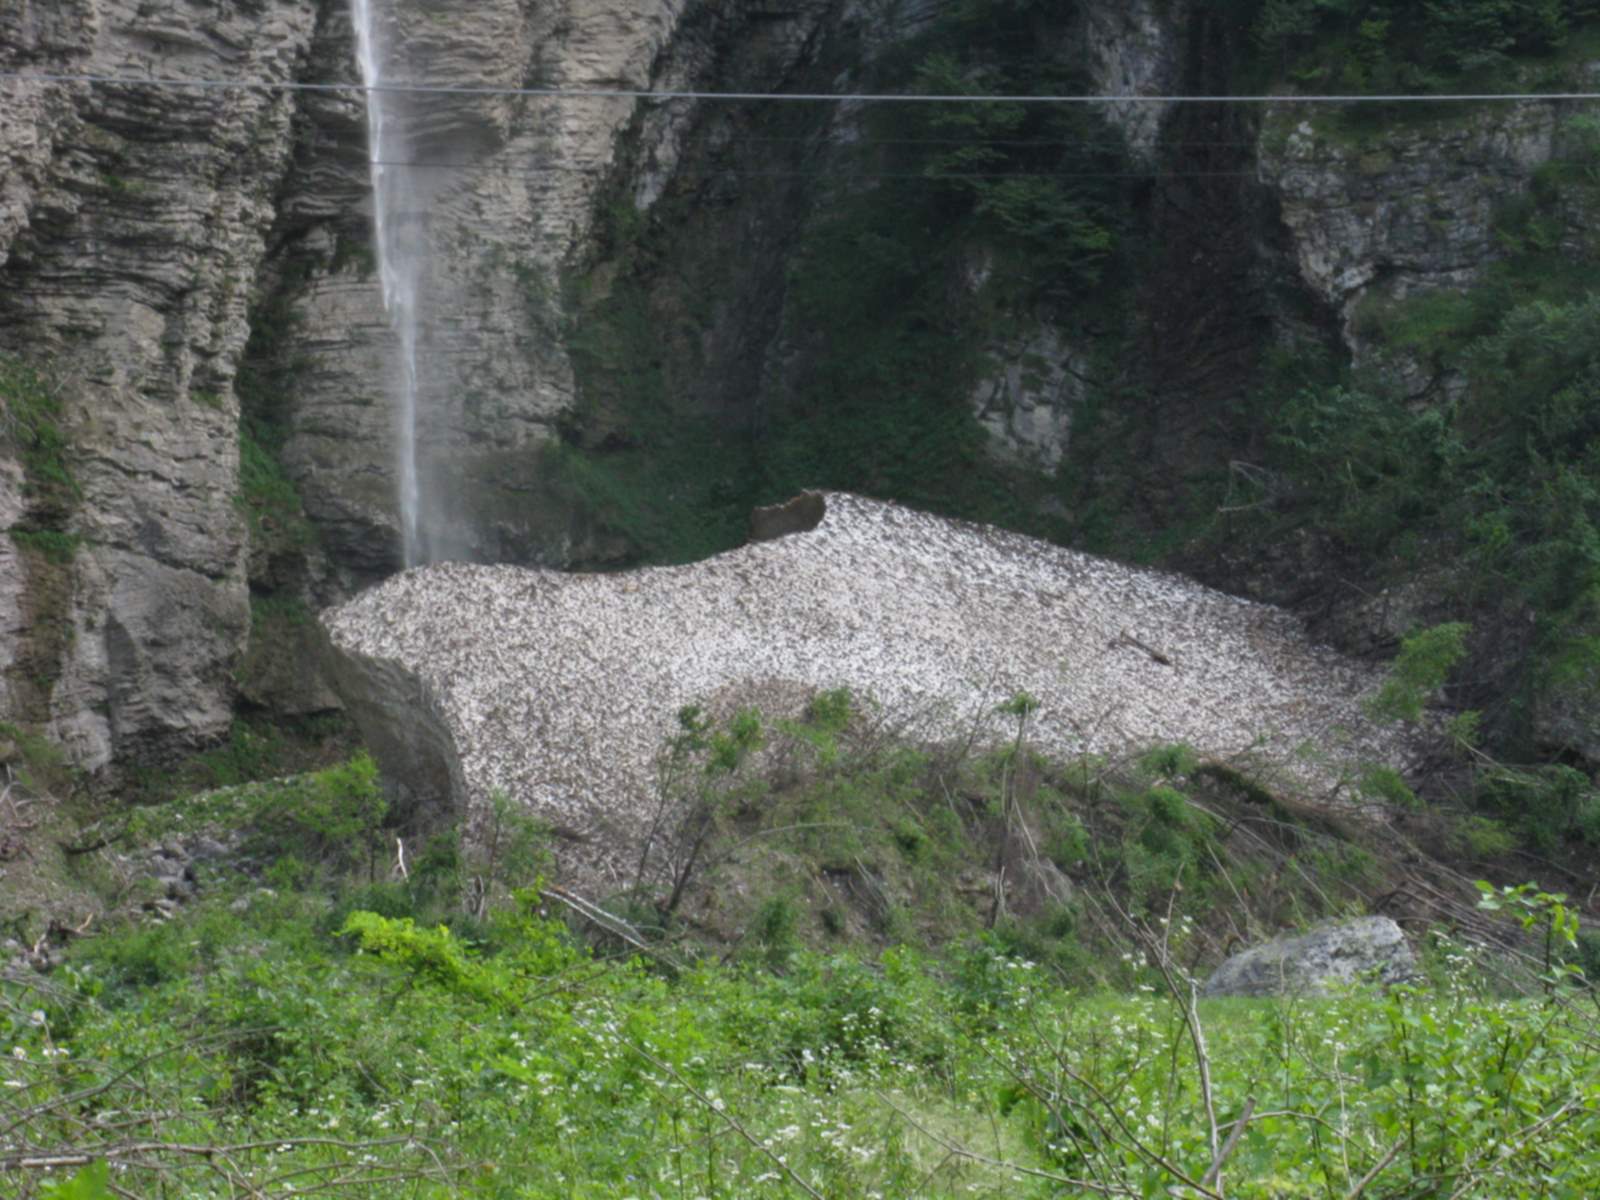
pixel 1377 1169
pixel 1212 1175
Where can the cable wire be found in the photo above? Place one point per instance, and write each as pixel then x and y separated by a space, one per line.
pixel 933 176
pixel 436 89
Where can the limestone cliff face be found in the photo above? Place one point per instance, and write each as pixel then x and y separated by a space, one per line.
pixel 156 240
pixel 132 227
pixel 500 193
pixel 1409 207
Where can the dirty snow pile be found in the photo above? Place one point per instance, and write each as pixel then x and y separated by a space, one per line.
pixel 559 689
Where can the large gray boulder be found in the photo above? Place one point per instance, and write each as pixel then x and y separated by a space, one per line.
pixel 1327 958
pixel 559 689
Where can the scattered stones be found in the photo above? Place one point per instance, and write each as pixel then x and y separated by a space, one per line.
pixel 176 868
pixel 1314 963
pixel 559 689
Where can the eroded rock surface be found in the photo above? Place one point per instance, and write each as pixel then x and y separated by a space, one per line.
pixel 133 220
pixel 1415 206
pixel 559 689
pixel 1370 948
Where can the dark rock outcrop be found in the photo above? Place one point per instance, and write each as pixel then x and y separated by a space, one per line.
pixel 800 515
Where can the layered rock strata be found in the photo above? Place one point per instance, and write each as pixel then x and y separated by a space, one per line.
pixel 558 689
pixel 132 225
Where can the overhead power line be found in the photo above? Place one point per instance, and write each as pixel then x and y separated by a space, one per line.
pixel 441 89
pixel 1286 166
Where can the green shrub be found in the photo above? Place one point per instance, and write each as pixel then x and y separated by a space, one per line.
pixel 143 956
pixel 44 768
pixel 1482 837
pixel 1387 786
pixel 1403 46
pixel 30 420
pixel 269 498
pixel 52 544
pixel 1419 670
pixel 1546 804
pixel 773 929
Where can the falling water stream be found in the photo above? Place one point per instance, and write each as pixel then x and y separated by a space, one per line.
pixel 400 253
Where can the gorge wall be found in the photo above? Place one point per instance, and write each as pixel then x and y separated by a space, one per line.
pixel 646 315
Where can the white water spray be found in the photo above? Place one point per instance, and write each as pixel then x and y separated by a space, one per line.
pixel 400 255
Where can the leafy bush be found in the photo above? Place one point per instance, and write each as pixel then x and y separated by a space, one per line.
pixel 1403 46
pixel 1420 669
pixel 1502 482
pixel 334 815
pixel 145 956
pixel 1547 804
pixel 537 1070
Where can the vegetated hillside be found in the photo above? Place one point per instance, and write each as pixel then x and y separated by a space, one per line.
pixel 824 980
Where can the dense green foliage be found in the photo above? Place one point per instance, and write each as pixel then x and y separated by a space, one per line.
pixel 1503 478
pixel 254 1050
pixel 1367 46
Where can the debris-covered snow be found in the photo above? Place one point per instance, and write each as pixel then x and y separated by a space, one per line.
pixel 559 689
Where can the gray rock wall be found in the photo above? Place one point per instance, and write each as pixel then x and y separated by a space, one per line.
pixel 1406 208
pixel 502 191
pixel 132 227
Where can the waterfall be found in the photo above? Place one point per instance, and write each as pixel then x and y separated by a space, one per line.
pixel 400 253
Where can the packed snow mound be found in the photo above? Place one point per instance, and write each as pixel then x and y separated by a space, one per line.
pixel 559 690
